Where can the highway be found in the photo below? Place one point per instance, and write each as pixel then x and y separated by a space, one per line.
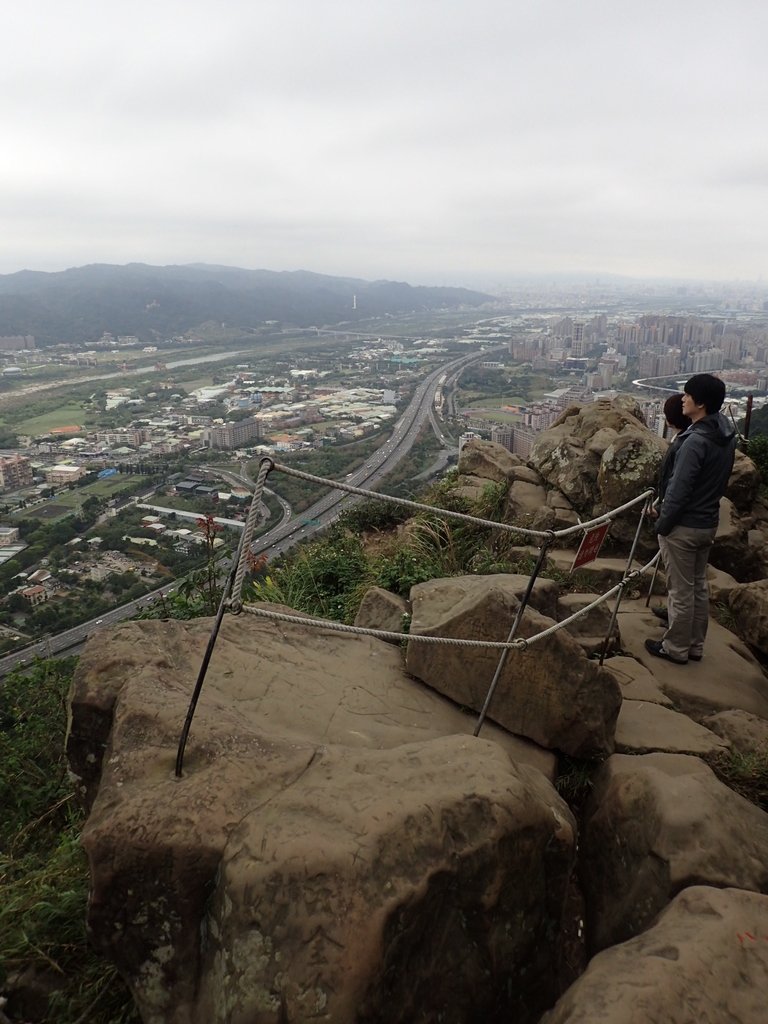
pixel 292 528
pixel 280 539
pixel 71 640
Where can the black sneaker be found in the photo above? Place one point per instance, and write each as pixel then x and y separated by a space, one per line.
pixel 656 648
pixel 661 613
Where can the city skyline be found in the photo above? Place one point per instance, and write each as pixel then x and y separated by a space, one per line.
pixel 434 143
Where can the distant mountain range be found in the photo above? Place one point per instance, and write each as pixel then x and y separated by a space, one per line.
pixel 153 303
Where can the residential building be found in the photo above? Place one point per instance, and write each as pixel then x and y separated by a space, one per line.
pixel 503 435
pixel 15 472
pixel 468 435
pixel 232 435
pixel 8 535
pixel 58 475
pixel 522 441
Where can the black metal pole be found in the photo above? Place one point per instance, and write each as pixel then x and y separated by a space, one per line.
pixel 627 569
pixel 518 617
pixel 207 657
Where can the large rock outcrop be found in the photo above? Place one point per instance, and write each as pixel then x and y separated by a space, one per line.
pixel 487 460
pixel 731 551
pixel 749 603
pixel 654 824
pixel 744 484
pixel 704 960
pixel 598 454
pixel 319 859
pixel 550 693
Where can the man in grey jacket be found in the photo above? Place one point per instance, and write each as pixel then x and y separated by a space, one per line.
pixel 688 517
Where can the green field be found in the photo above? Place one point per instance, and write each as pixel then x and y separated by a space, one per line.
pixel 62 416
pixel 65 501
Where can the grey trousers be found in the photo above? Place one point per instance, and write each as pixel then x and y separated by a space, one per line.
pixel 685 552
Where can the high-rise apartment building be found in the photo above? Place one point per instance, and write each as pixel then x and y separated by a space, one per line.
pixel 502 435
pixel 708 359
pixel 232 435
pixel 522 441
pixel 15 472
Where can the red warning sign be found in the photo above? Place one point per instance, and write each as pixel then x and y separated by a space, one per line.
pixel 590 546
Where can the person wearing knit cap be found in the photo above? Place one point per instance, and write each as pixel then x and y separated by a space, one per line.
pixel 689 514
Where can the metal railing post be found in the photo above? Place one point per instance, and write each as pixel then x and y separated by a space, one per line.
pixel 643 512
pixel 236 571
pixel 547 543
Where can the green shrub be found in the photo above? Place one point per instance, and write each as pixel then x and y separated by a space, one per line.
pixel 757 450
pixel 43 870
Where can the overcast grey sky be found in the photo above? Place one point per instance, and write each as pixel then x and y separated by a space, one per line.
pixel 419 140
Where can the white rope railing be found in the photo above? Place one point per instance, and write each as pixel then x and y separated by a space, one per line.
pixel 519 644
pixel 232 596
pixel 464 516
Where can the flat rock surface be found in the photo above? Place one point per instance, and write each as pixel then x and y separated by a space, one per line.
pixel 727 677
pixel 636 682
pixel 644 726
pixel 747 733
pixel 705 961
pixel 313 685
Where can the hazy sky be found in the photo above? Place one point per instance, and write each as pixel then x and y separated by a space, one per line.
pixel 423 140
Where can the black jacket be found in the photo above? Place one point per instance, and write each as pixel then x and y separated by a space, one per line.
pixel 702 465
pixel 668 463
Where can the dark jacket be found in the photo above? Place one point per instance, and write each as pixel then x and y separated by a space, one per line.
pixel 668 463
pixel 702 465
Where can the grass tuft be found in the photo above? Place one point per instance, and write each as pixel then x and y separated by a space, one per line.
pixel 43 870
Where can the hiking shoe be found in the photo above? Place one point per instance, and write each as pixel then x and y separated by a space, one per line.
pixel 661 613
pixel 656 648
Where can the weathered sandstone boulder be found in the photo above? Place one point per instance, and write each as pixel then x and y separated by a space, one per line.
pixel 704 960
pixel 646 726
pixel 749 603
pixel 286 878
pixel 556 499
pixel 731 550
pixel 602 573
pixel 471 487
pixel 564 515
pixel 591 628
pixel 488 460
pixel 635 680
pixel 628 466
pixel 598 453
pixel 550 693
pixel 746 733
pixel 744 484
pixel 380 609
pixel 654 824
pixel 720 584
pixel 527 475
pixel 525 503
pixel 383 887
